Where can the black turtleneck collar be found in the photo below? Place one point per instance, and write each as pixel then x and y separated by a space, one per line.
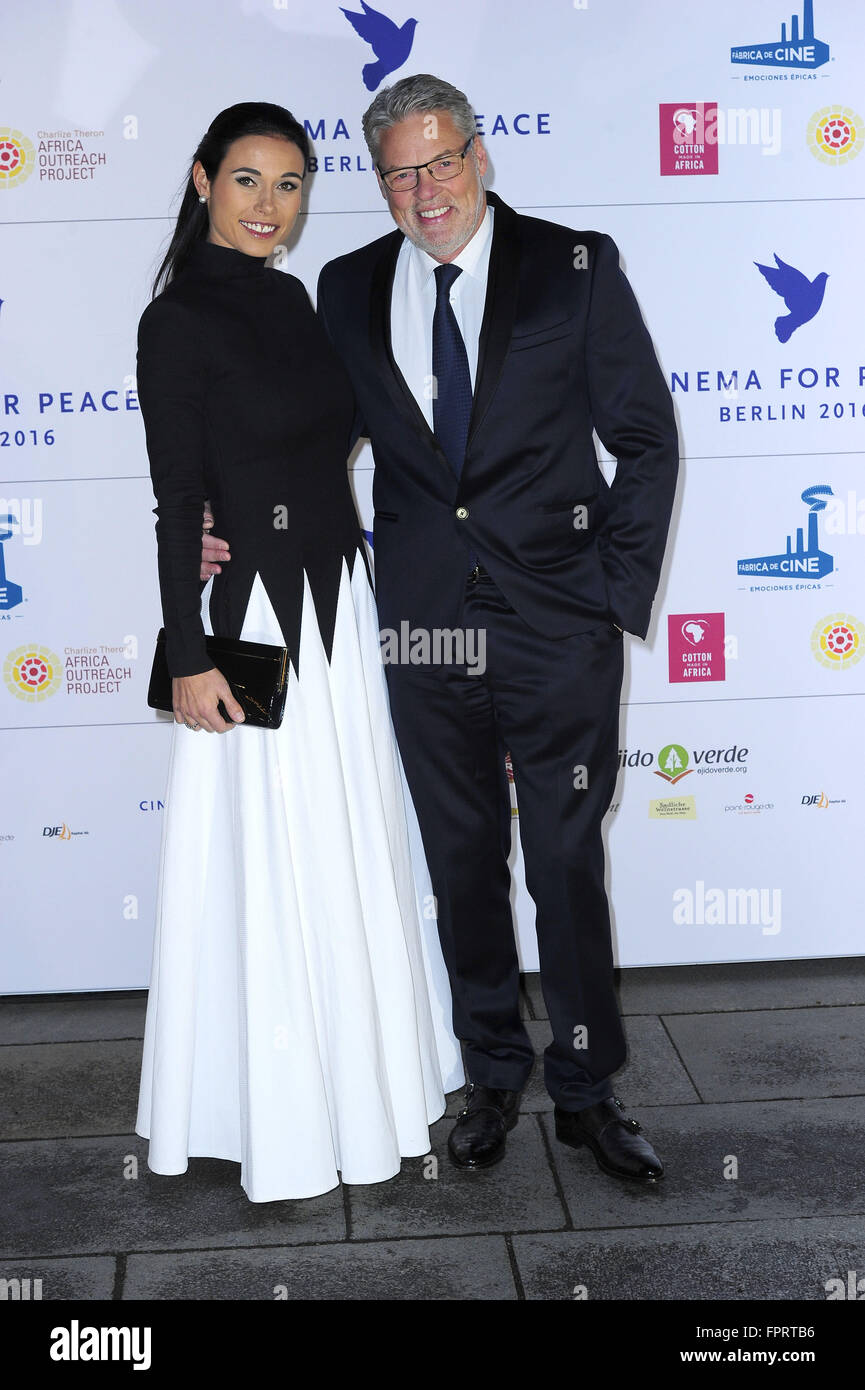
pixel 224 261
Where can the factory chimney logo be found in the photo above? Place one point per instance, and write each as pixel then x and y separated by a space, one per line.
pixel 10 594
pixel 796 51
pixel 805 562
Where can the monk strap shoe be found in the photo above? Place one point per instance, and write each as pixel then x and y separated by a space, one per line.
pixel 613 1138
pixel 477 1140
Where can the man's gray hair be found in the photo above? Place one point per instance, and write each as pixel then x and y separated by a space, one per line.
pixel 410 95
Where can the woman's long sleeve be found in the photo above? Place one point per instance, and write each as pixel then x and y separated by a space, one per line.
pixel 171 393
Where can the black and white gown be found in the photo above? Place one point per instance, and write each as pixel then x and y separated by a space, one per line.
pixel 299 1018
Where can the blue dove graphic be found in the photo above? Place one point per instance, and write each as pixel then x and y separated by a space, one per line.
pixel 390 44
pixel 802 296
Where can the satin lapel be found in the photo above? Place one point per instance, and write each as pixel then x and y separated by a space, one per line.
pixel 379 319
pixel 391 377
pixel 499 308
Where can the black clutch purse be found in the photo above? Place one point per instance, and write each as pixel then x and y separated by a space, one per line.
pixel 256 672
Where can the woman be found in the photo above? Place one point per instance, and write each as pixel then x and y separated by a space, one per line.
pixel 289 1024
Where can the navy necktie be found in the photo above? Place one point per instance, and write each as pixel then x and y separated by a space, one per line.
pixel 452 401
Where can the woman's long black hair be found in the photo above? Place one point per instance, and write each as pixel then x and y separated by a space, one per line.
pixel 235 122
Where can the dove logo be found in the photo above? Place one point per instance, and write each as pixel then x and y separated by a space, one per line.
pixel 695 643
pixel 807 563
pixel 391 43
pixel 802 297
pixel 796 51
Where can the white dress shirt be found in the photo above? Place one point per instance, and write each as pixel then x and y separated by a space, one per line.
pixel 413 305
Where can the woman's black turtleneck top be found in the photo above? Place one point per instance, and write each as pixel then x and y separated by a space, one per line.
pixel 245 403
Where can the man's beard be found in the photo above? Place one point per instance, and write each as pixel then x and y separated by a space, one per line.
pixel 459 238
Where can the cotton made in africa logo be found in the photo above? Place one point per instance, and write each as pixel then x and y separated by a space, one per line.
pixel 835 134
pixel 17 157
pixel 33 673
pixel 837 641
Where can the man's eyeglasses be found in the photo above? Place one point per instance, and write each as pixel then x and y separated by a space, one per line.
pixel 447 167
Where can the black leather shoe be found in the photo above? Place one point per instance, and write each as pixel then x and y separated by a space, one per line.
pixel 477 1140
pixel 613 1139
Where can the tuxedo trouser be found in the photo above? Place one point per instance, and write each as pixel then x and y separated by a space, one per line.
pixel 554 704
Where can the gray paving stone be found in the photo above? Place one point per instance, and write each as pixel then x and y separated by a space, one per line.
pixel 51 1280
pixel 71 1017
pixel 767 1054
pixel 525 1003
pixel 652 1075
pixel 531 983
pixel 517 1194
pixel 57 1090
pixel 778 984
pixel 471 1267
pixel 753 1260
pixel 796 1158
pixel 70 1197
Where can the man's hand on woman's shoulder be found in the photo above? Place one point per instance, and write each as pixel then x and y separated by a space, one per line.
pixel 214 552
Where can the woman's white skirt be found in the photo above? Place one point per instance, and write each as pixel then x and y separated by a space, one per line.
pixel 298 1021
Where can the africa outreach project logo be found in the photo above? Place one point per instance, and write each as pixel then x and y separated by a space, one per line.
pixel 837 641
pixel 391 43
pixel 33 673
pixel 835 134
pixel 17 157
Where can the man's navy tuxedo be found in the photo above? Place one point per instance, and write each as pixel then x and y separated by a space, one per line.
pixel 563 349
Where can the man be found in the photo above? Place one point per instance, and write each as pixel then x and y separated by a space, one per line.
pixel 484 347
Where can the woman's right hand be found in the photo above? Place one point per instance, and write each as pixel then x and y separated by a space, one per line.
pixel 195 699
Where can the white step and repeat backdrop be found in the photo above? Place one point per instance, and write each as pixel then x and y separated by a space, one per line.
pixel 720 147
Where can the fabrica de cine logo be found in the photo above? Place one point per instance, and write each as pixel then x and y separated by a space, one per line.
pixel 793 51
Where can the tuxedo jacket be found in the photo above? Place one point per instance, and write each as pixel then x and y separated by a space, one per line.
pixel 563 349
